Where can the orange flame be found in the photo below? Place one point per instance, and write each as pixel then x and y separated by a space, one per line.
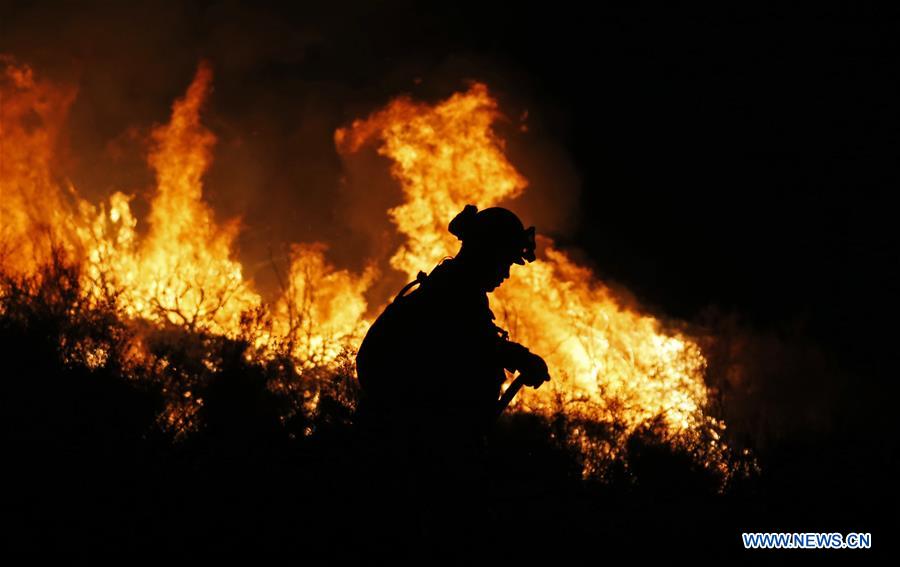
pixel 185 262
pixel 35 215
pixel 321 311
pixel 444 157
pixel 183 272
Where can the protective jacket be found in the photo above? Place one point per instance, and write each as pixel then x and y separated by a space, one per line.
pixel 434 358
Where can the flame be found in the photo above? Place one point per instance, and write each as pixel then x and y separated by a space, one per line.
pixel 183 272
pixel 322 308
pixel 35 215
pixel 611 364
pixel 444 158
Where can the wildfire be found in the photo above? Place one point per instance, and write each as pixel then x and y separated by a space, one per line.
pixel 611 364
pixel 182 273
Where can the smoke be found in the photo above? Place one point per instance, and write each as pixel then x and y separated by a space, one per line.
pixel 285 78
pixel 772 385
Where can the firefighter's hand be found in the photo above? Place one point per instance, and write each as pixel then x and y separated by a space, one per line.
pixel 534 371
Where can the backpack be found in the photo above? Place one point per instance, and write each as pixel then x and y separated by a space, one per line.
pixel 387 339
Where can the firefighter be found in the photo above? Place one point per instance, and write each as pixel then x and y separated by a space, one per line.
pixel 432 365
pixel 435 356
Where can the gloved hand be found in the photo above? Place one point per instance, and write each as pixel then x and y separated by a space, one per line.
pixel 534 370
pixel 531 367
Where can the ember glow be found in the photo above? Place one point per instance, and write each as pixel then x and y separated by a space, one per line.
pixel 614 367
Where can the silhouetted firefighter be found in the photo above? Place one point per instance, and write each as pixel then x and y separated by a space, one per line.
pixel 432 366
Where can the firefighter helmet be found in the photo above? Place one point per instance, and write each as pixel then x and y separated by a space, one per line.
pixel 496 229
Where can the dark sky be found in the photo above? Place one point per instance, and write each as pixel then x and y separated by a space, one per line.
pixel 700 157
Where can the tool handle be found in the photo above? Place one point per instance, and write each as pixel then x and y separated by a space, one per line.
pixel 509 394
